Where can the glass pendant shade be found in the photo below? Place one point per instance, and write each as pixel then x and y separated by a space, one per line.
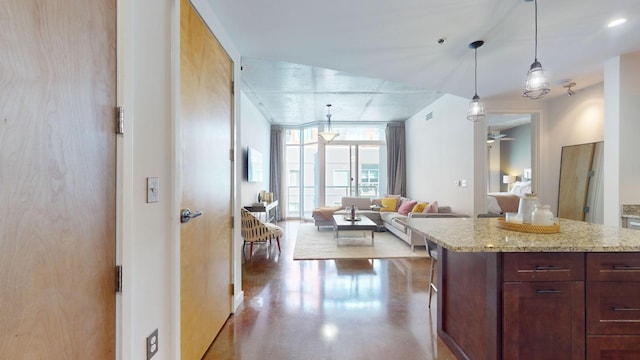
pixel 328 135
pixel 476 106
pixel 476 109
pixel 537 84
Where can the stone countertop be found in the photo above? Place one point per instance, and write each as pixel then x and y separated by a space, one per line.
pixel 631 211
pixel 482 235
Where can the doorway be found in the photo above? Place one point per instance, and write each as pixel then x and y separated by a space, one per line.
pixel 351 170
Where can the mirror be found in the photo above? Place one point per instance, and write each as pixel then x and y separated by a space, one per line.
pixel 581 196
pixel 509 160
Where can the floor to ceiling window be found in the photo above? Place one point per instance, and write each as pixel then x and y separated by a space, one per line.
pixel 321 174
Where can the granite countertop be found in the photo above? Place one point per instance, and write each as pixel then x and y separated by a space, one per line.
pixel 631 211
pixel 482 235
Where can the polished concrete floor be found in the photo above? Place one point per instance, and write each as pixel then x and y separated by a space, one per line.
pixel 330 309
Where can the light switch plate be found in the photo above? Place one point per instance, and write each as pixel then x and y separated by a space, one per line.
pixel 153 189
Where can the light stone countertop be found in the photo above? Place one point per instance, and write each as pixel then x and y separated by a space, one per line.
pixel 482 235
pixel 631 211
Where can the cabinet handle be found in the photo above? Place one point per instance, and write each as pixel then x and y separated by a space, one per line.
pixel 550 291
pixel 625 267
pixel 548 267
pixel 624 308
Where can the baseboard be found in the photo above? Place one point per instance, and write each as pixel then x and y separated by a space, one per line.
pixel 237 300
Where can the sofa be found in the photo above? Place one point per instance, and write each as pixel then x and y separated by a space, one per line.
pixel 390 219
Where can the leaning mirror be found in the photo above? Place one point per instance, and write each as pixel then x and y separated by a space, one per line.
pixel 580 196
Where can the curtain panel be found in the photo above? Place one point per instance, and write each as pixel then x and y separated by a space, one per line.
pixel 276 168
pixel 396 159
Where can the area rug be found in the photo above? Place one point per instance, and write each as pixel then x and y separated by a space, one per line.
pixel 312 244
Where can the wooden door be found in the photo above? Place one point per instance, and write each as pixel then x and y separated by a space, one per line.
pixel 57 179
pixel 575 167
pixel 205 176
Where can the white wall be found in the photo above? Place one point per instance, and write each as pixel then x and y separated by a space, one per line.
pixel 255 132
pixel 440 152
pixel 567 120
pixel 148 234
pixel 630 129
pixel 145 235
pixel 621 167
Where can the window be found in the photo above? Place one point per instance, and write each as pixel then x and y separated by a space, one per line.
pixel 321 174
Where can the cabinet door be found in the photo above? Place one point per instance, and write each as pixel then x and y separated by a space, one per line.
pixel 613 347
pixel 543 320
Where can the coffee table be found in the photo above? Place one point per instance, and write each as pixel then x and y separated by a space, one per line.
pixel 340 223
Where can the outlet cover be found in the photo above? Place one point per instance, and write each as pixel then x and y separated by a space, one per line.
pixel 152 344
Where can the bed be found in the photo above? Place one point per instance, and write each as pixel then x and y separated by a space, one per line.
pixel 504 202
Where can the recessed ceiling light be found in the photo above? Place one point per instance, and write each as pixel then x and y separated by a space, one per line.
pixel 617 22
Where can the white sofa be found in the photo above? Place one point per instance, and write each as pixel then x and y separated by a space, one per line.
pixel 386 220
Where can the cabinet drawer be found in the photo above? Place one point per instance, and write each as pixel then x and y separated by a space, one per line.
pixel 613 347
pixel 613 266
pixel 543 266
pixel 613 308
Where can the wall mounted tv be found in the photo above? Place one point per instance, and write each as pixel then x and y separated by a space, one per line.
pixel 255 166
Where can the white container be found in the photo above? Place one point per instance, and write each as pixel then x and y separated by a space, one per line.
pixel 513 217
pixel 526 206
pixel 542 216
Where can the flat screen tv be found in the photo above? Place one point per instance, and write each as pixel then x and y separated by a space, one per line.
pixel 255 166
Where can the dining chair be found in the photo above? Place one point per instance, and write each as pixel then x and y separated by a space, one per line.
pixel 433 253
pixel 254 230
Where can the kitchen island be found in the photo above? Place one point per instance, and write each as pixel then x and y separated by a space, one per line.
pixel 511 295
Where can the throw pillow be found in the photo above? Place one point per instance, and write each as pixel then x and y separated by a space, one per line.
pixel 401 201
pixel 389 204
pixel 419 207
pixel 398 199
pixel 431 208
pixel 406 207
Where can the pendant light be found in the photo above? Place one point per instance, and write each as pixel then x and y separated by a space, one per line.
pixel 328 135
pixel 476 107
pixel 537 84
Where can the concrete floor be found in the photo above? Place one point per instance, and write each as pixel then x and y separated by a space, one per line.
pixel 330 309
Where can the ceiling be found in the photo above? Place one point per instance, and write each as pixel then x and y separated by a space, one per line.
pixel 380 60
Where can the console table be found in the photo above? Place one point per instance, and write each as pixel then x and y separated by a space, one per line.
pixel 269 209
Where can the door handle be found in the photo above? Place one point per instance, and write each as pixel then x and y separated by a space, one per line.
pixel 186 215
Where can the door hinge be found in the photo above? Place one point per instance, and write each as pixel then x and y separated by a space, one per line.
pixel 233 87
pixel 231 154
pixel 586 209
pixel 591 173
pixel 119 120
pixel 233 219
pixel 232 289
pixel 118 278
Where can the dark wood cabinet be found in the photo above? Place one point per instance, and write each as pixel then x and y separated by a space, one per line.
pixel 613 347
pixel 540 305
pixel 613 306
pixel 543 320
pixel 543 314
